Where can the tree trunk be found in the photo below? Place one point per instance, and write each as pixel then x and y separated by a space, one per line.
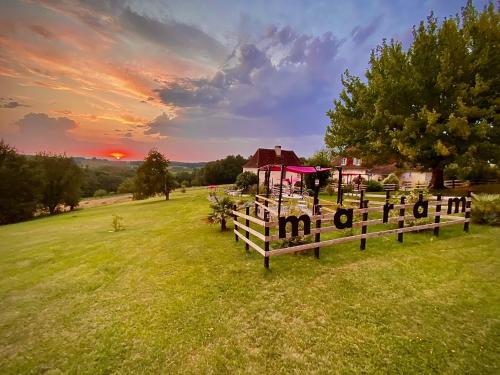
pixel 223 224
pixel 437 180
pixel 167 195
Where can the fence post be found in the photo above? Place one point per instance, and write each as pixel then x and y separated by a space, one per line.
pixel 361 198
pixel 256 206
pixel 387 196
pixel 247 233
pixel 401 221
pixel 317 236
pixel 467 211
pixel 364 227
pixel 235 218
pixel 437 217
pixel 267 215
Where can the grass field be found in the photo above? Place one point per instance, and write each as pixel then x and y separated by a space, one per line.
pixel 171 294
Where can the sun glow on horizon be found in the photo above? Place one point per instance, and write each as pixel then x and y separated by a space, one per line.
pixel 117 155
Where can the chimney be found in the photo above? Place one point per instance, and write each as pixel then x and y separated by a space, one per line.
pixel 277 150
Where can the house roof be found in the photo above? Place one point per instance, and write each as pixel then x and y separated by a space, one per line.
pixel 383 169
pixel 266 156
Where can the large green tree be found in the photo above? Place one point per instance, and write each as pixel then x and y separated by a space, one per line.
pixel 18 186
pixel 60 181
pixel 153 177
pixel 434 104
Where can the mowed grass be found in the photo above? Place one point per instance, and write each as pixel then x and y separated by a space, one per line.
pixel 171 294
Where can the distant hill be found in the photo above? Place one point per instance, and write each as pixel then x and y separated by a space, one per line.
pixel 175 166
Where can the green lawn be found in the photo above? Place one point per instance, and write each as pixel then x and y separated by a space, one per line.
pixel 171 294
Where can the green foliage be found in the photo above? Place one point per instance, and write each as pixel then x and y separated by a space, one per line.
pixel 475 171
pixel 107 177
pixel 391 179
pixel 61 179
pixel 18 186
pixel 432 105
pixel 127 186
pixel 245 180
pixel 330 189
pixel 99 193
pixel 183 187
pixel 373 185
pixel 153 177
pixel 320 158
pixel 222 171
pixel 221 210
pixel 117 223
pixel 184 177
pixel 486 209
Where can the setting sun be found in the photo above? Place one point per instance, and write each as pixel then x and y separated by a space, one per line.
pixel 117 155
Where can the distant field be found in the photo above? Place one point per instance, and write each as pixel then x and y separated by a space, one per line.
pixel 171 294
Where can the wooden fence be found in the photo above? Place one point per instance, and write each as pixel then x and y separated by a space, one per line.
pixel 265 232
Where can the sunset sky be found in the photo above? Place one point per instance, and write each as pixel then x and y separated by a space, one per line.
pixel 197 79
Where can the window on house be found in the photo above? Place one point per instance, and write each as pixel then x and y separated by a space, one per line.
pixel 357 162
pixel 343 161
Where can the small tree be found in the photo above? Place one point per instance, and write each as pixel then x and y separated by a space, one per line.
pixel 221 211
pixel 183 186
pixel 245 180
pixel 153 177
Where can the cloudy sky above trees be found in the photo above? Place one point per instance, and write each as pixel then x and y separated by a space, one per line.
pixel 196 79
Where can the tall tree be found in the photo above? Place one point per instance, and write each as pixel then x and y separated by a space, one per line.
pixel 61 180
pixel 18 186
pixel 431 105
pixel 153 177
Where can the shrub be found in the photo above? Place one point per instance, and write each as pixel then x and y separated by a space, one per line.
pixel 245 180
pixel 392 179
pixel 348 188
pixel 486 209
pixel 252 190
pixel 183 187
pixel 127 186
pixel 221 211
pixel 330 190
pixel 374 186
pixel 100 193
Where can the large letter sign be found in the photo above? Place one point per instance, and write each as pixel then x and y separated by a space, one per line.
pixel 421 204
pixel 457 202
pixel 338 215
pixel 295 225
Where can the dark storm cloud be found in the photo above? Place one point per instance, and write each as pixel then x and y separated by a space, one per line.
pixel 271 96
